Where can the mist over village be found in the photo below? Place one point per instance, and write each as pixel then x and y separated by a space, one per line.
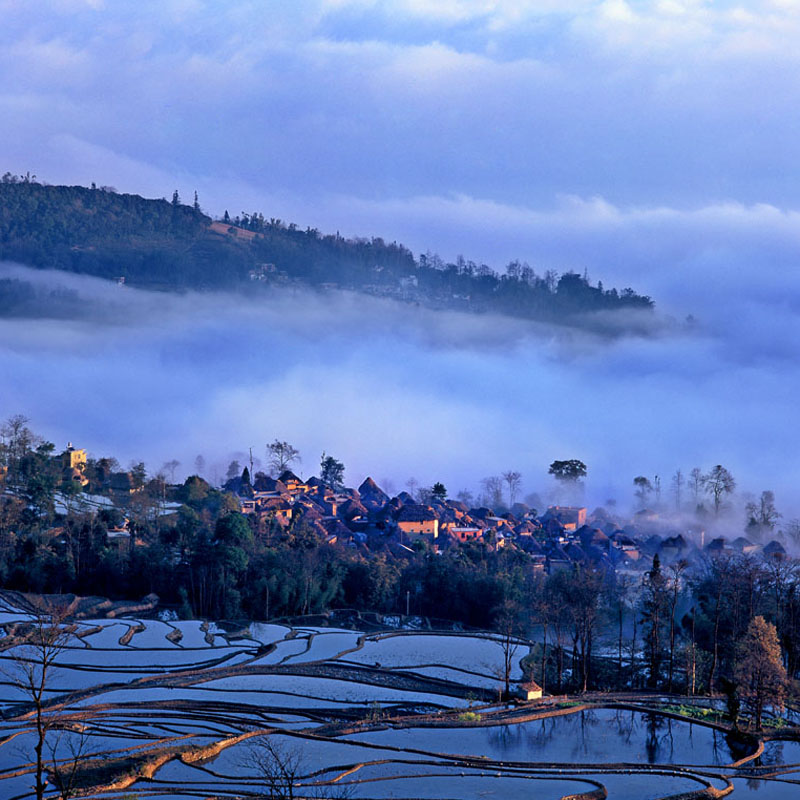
pixel 399 400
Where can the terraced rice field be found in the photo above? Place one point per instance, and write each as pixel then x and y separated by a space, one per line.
pixel 157 709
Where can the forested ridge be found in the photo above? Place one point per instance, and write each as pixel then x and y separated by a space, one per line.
pixel 169 245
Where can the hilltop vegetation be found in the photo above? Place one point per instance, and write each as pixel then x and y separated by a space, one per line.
pixel 169 245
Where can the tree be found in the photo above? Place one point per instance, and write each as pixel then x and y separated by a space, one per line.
pixel 674 585
pixel 507 624
pixel 170 467
pixel 331 472
pixel 176 199
pixel 200 465
pixel 281 771
pixel 16 441
pixel 196 204
pixel 493 491
pixel 514 482
pixel 761 517
pixel 657 489
pixel 32 669
pixel 439 492
pixel 281 456
pixel 139 474
pixel 759 673
pixel 234 470
pixel 643 489
pixel 696 484
pixel 655 599
pixel 718 482
pixel 245 477
pixel 568 471
pixel 678 482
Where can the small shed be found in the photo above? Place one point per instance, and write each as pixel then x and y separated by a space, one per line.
pixel 530 690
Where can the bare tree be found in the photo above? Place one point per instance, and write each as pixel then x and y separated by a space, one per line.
pixel 507 624
pixel 278 768
pixel 793 531
pixel 674 584
pixel 67 753
pixel 762 516
pixel 200 465
pixel 281 456
pixel 696 484
pixel 465 496
pixel 412 484
pixel 514 482
pixel 718 482
pixel 32 666
pixel 170 467
pixel 282 773
pixel 678 482
pixel 493 491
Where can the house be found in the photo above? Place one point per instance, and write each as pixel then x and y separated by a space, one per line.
pixel 744 545
pixel 73 464
pixel 278 509
pixel 774 549
pixel 248 506
pixel 292 483
pixel 415 521
pixel 570 517
pixel 72 458
pixel 530 690
pixel 122 483
pixel 463 533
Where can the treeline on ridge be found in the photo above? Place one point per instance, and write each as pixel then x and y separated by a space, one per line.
pixel 170 245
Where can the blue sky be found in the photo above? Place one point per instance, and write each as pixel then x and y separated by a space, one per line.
pixel 654 144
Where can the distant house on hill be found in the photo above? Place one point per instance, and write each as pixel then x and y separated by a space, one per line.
pixel 774 549
pixel 570 517
pixel 73 458
pixel 372 496
pixel 73 464
pixel 417 521
pixel 294 484
pixel 122 483
pixel 464 533
pixel 744 545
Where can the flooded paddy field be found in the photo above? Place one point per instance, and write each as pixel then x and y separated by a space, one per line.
pixel 140 708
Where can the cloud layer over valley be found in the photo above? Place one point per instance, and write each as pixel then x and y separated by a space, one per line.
pixel 396 391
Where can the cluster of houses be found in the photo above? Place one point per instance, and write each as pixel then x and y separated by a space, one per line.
pixel 367 517
pixel 557 539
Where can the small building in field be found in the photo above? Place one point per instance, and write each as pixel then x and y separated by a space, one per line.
pixel 530 690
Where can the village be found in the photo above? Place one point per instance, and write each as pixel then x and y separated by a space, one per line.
pixel 368 520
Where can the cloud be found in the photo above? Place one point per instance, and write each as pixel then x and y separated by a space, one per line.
pixel 398 391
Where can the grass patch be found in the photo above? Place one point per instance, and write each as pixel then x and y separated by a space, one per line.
pixel 696 712
pixel 469 716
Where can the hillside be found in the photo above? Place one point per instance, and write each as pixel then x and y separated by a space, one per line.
pixel 169 245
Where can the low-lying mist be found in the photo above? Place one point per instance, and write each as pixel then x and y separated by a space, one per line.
pixel 396 391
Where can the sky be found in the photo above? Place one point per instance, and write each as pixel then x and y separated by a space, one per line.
pixel 652 144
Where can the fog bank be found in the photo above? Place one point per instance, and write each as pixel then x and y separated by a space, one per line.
pixel 396 391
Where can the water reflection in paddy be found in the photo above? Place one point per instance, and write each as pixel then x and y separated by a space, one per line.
pixel 585 737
